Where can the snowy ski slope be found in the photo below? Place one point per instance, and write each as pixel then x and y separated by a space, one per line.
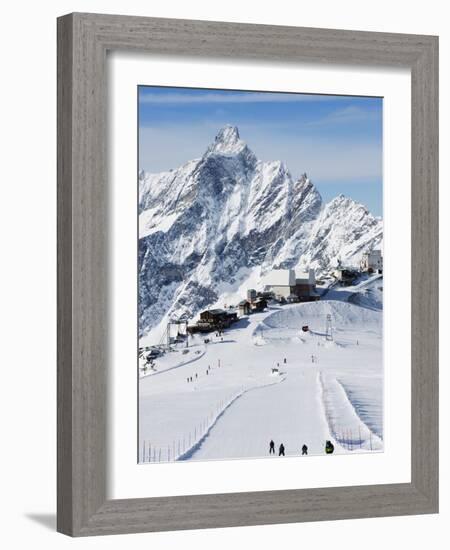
pixel 235 404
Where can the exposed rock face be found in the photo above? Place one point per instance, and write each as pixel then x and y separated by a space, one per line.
pixel 227 213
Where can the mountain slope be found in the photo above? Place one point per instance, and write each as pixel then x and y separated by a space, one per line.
pixel 227 216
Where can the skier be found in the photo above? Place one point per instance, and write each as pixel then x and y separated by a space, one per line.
pixel 304 450
pixel 284 361
pixel 196 375
pixel 281 451
pixel 271 447
pixel 329 448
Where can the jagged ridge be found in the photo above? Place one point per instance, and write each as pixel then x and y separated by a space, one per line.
pixel 227 213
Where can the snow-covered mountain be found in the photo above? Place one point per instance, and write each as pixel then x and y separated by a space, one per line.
pixel 220 221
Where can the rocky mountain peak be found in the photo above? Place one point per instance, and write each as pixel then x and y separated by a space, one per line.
pixel 218 220
pixel 227 141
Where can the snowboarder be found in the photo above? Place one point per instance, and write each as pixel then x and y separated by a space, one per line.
pixel 329 448
pixel 304 450
pixel 281 451
pixel 271 447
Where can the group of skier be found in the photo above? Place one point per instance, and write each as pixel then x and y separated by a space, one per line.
pixel 329 448
pixel 195 377
pixel 272 448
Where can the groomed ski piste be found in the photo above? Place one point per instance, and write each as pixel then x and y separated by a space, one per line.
pixel 265 379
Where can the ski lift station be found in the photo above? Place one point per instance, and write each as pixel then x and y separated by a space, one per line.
pixel 296 285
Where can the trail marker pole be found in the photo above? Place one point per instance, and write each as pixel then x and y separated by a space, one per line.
pixel 329 330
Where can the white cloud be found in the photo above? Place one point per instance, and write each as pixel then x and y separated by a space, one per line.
pixel 346 115
pixel 214 97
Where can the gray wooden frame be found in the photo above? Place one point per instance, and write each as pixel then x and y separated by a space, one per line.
pixel 83 41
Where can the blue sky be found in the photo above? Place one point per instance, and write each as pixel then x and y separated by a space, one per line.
pixel 336 140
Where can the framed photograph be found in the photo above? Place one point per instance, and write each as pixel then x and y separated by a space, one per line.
pixel 247 274
pixel 260 303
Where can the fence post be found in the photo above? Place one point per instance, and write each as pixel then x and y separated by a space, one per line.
pixel 159 456
pixel 360 440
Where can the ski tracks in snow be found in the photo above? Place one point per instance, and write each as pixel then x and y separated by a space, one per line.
pixel 197 445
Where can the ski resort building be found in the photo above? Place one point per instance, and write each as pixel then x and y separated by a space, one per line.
pixel 295 285
pixel 218 317
pixel 247 307
pixel 345 275
pixel 244 307
pixel 372 262
pixel 213 319
pixel 258 305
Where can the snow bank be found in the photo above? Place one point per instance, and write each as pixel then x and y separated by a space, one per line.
pixel 314 314
pixel 347 427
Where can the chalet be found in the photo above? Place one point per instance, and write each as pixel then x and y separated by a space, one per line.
pixel 244 307
pixel 258 305
pixel 218 318
pixel 251 294
pixel 213 319
pixel 372 262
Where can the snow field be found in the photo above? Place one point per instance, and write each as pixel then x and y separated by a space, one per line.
pixel 233 408
pixel 347 427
